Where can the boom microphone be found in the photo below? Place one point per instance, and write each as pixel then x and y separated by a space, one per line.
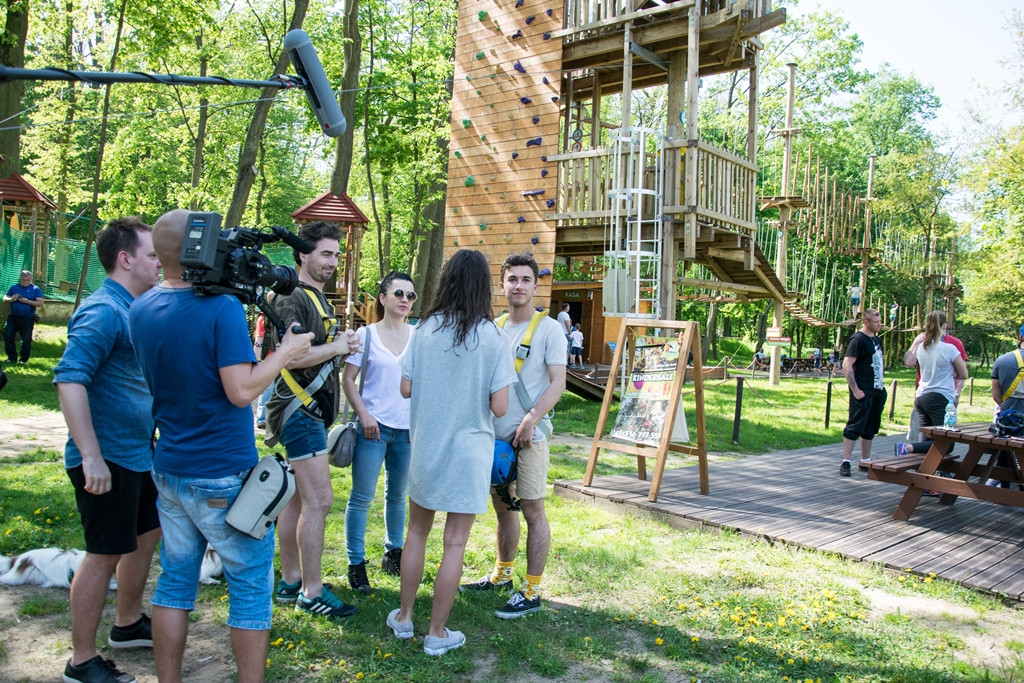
pixel 321 96
pixel 292 240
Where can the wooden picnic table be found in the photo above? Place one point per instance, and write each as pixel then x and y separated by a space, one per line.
pixel 918 471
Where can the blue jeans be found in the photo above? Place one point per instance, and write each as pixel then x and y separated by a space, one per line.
pixel 261 403
pixel 192 513
pixel 393 452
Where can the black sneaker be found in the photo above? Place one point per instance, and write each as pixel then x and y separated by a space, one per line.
pixel 391 563
pixel 287 592
pixel 518 605
pixel 96 670
pixel 485 584
pixel 844 469
pixel 326 604
pixel 357 577
pixel 139 634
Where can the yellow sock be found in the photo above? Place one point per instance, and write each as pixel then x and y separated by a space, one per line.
pixel 531 587
pixel 502 571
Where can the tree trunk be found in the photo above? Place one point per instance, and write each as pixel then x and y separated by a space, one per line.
pixel 711 332
pixel 199 144
pixel 247 157
pixel 349 90
pixel 101 146
pixel 762 324
pixel 12 53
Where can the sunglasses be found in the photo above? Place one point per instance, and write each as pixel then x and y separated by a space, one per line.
pixel 409 296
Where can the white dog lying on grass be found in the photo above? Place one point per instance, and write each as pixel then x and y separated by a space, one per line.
pixel 53 568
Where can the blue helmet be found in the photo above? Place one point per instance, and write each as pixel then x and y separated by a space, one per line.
pixel 1009 422
pixel 503 469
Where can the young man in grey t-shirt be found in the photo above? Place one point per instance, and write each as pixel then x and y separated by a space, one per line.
pixel 540 365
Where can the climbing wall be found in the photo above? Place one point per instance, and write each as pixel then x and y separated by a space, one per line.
pixel 505 124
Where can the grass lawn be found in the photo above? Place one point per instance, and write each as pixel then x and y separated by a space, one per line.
pixel 628 599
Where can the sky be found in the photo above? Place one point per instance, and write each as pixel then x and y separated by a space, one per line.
pixel 957 47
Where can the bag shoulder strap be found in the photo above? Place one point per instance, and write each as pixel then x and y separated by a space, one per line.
pixel 1020 374
pixel 522 353
pixel 304 395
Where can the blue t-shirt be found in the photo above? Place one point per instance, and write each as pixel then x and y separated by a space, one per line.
pixel 20 309
pixel 99 356
pixel 182 340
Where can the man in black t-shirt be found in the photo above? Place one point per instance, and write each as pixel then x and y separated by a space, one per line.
pixel 863 369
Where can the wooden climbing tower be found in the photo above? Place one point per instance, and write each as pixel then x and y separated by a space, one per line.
pixel 533 163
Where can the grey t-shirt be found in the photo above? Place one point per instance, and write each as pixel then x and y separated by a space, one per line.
pixel 547 347
pixel 450 416
pixel 1004 370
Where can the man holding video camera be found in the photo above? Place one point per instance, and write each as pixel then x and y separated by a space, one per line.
pixel 198 361
pixel 304 405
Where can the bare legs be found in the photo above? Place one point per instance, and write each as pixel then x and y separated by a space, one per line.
pixel 301 525
pixel 456 533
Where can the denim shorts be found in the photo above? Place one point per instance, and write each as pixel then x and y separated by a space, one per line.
pixel 192 513
pixel 303 437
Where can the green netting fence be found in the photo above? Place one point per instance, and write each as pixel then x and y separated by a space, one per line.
pixel 18 250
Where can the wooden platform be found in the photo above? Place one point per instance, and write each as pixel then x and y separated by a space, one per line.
pixel 798 497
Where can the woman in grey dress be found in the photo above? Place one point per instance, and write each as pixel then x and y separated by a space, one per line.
pixel 457 370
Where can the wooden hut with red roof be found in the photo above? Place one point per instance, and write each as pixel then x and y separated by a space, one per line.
pixel 25 208
pixel 343 212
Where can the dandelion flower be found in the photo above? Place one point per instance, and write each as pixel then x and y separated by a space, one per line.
pixel 659 641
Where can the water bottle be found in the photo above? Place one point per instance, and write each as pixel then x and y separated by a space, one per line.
pixel 949 421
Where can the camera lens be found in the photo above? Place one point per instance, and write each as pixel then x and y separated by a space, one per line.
pixel 281 279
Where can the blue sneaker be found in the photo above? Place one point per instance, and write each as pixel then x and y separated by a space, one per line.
pixel 326 604
pixel 287 592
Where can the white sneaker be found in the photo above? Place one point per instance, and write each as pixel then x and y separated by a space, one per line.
pixel 435 647
pixel 401 629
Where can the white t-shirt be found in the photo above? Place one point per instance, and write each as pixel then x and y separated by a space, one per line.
pixel 576 337
pixel 381 388
pixel 547 347
pixel 565 321
pixel 936 364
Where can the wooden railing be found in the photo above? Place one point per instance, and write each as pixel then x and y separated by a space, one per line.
pixel 725 191
pixel 584 18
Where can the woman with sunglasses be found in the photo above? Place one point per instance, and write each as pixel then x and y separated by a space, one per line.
pixel 457 370
pixel 383 437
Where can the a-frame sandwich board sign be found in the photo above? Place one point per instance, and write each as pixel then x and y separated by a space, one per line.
pixel 651 412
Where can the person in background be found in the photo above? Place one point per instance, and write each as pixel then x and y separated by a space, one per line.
pixel 943 372
pixel 457 371
pixel 910 360
pixel 262 346
pixel 383 437
pixel 109 453
pixel 26 299
pixel 565 320
pixel 576 344
pixel 863 367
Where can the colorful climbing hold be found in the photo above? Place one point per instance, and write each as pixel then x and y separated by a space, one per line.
pixel 550 203
pixel 520 220
pixel 519 67
pixel 480 55
pixel 466 123
pixel 515 155
pixel 458 154
pixel 555 98
pixel 529 19
pixel 535 119
pixel 549 12
pixel 483 138
pixel 525 100
pixel 481 15
pixel 517 34
pixel 547 35
pixel 544 158
pixel 534 239
pixel 455 242
pixel 544 272
pixel 535 142
pixel 545 81
pixel 519 3
pixel 483 226
pixel 469 181
pixel 544 173
pixel 532 193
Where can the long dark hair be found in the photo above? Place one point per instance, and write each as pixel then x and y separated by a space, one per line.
pixel 382 288
pixel 464 294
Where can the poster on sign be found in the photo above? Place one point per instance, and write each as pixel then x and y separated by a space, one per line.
pixel 645 401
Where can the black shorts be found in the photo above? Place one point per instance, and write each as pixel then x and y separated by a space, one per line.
pixel 865 415
pixel 113 521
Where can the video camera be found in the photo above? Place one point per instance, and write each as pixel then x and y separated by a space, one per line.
pixel 229 261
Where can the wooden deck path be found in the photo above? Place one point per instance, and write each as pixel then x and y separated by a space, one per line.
pixel 799 498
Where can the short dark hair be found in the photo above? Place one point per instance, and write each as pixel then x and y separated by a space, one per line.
pixel 565 306
pixel 314 232
pixel 523 259
pixel 382 288
pixel 121 234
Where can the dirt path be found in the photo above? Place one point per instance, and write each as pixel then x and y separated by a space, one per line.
pixel 43 430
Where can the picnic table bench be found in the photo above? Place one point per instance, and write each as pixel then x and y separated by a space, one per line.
pixel 918 472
